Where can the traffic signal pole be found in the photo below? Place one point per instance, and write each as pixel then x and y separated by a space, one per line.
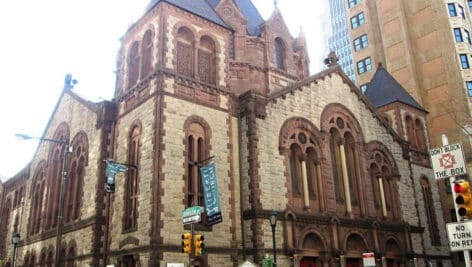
pixel 452 182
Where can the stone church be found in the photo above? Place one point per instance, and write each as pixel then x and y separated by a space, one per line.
pixel 211 80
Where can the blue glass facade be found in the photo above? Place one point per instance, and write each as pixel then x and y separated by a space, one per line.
pixel 339 42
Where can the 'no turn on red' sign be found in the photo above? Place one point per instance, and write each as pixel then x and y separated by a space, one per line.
pixel 448 161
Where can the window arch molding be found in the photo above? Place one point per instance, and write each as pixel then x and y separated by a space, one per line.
pixel 38 187
pixel 197 147
pixel 300 144
pixel 429 205
pixel 184 49
pixel 280 53
pixel 78 160
pixel 147 53
pixel 131 187
pixel 55 155
pixel 207 46
pixel 383 174
pixel 345 143
pixel 312 231
pixel 415 131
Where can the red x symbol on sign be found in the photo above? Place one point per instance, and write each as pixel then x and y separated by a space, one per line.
pixel 447 161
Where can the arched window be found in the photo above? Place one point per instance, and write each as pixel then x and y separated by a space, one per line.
pixel 420 134
pixel 345 160
pixel 430 212
pixel 71 257
pixel 147 54
pixel 133 64
pixel 280 53
pixel 50 259
pixel 128 261
pixel 132 179
pixel 42 259
pixel 55 158
pixel 206 60
pixel 383 173
pixel 37 196
pixel 198 135
pixel 334 142
pixel 299 141
pixel 78 160
pixel 185 52
pixel 410 131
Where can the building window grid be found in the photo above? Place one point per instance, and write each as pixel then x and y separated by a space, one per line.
pixel 464 61
pixel 357 20
pixel 361 42
pixel 352 3
pixel 452 9
pixel 364 65
pixel 469 3
pixel 469 87
pixel 458 35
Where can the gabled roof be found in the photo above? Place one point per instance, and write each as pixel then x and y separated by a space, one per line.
pixel 254 18
pixel 383 89
pixel 200 8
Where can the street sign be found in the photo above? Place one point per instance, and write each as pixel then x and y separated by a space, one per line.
pixel 192 219
pixel 448 161
pixel 368 259
pixel 460 235
pixel 192 214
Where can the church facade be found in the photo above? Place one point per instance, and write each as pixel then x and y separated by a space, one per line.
pixel 210 80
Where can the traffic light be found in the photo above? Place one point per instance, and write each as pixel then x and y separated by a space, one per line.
pixel 199 245
pixel 186 243
pixel 463 198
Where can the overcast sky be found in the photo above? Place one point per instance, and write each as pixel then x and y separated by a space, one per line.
pixel 44 40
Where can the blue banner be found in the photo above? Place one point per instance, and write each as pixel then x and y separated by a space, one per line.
pixel 112 169
pixel 211 194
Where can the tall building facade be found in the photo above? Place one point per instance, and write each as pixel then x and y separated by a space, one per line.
pixel 340 42
pixel 426 46
pixel 210 80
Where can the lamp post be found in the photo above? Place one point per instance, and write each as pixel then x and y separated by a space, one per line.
pixel 60 212
pixel 273 223
pixel 15 238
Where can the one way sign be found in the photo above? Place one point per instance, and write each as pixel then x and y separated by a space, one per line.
pixel 448 161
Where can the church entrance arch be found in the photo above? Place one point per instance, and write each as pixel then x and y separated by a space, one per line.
pixel 392 253
pixel 312 248
pixel 355 246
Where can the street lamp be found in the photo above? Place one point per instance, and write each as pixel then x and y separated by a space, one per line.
pixel 60 212
pixel 15 238
pixel 273 223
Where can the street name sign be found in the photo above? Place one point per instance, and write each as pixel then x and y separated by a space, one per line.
pixel 192 214
pixel 448 161
pixel 460 235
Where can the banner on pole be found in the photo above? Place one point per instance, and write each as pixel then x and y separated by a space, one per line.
pixel 211 194
pixel 112 169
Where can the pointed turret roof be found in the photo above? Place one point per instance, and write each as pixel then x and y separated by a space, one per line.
pixel 383 89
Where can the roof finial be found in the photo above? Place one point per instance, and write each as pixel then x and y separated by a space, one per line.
pixel 275 3
pixel 69 82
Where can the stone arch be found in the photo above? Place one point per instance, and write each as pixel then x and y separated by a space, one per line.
pixel 338 109
pixel 184 49
pixel 297 123
pixel 355 243
pixel 373 146
pixel 312 240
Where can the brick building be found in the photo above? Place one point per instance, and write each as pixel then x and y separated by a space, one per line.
pixel 211 79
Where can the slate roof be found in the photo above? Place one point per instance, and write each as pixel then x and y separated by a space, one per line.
pixel 383 89
pixel 198 7
pixel 206 9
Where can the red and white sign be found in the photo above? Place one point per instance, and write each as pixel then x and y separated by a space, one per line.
pixel 448 161
pixel 368 259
